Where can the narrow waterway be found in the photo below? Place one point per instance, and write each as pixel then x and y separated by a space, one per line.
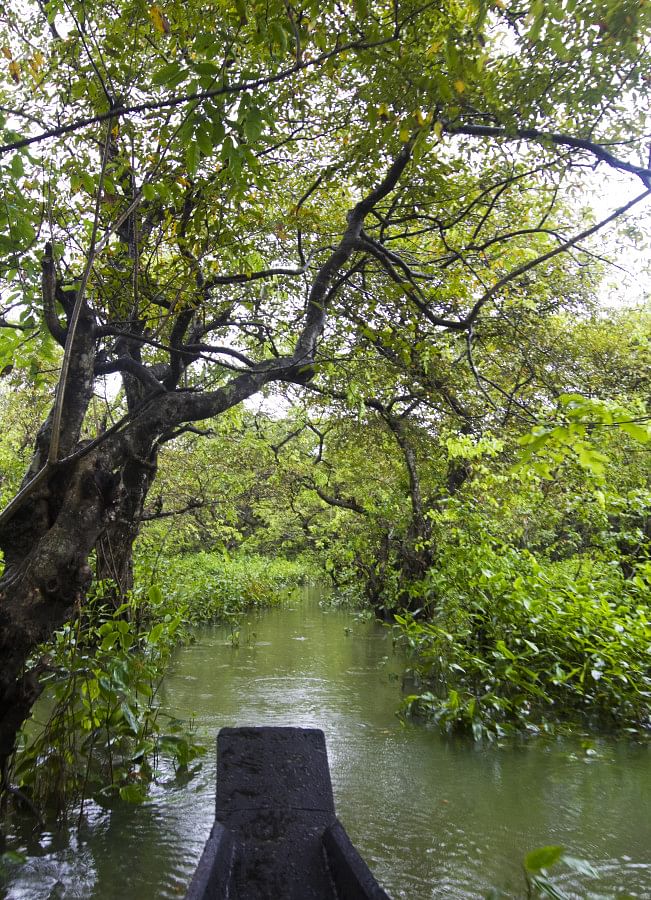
pixel 433 817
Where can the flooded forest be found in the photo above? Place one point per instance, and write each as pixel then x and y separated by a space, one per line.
pixel 325 372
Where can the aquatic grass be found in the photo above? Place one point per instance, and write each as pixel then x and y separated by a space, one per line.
pixel 213 586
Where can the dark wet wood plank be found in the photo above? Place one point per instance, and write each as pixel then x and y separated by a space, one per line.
pixel 276 834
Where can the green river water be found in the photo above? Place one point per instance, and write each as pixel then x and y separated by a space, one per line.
pixel 432 816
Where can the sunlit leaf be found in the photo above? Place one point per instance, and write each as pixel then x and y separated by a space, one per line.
pixel 542 858
pixel 160 20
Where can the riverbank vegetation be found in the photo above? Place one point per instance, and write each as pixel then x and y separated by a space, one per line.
pixel 375 219
pixel 99 731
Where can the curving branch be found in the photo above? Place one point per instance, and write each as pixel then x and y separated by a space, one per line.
pixel 153 514
pixel 245 277
pixel 340 502
pixel 220 351
pixel 56 329
pixel 131 366
pixel 600 152
pixel 318 297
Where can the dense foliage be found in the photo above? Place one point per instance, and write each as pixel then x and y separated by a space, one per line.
pixel 99 730
pixel 103 732
pixel 518 645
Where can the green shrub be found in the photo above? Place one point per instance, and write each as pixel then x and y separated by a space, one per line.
pixel 510 644
pixel 212 586
pixel 104 731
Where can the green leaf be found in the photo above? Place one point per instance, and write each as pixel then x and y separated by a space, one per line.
pixel 133 793
pixel 218 131
pixel 155 594
pixel 542 858
pixel 109 640
pixel 154 635
pixel 253 124
pixel 640 433
pixel 79 89
pixel 170 75
pixel 592 460
pixel 279 35
pixel 204 142
pixel 533 442
pixel 128 714
pixel 572 399
pixel 207 68
pixel 17 167
pixel 192 157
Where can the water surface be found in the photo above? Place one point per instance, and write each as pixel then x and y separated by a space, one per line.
pixel 433 817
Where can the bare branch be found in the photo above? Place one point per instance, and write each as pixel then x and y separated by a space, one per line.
pixel 133 367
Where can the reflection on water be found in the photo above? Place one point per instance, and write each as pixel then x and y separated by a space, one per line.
pixel 434 818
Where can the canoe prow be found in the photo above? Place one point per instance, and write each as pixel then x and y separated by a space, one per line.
pixel 276 835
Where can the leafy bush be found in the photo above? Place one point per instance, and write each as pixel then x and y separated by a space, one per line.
pixel 104 732
pixel 512 644
pixel 211 586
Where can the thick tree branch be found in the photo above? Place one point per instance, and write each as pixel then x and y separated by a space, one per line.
pixel 341 502
pixel 245 277
pixel 317 300
pixel 56 329
pixel 132 367
pixel 225 351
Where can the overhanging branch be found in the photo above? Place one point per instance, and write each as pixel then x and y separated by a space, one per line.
pixel 561 248
pixel 562 140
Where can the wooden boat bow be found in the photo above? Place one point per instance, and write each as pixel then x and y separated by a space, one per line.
pixel 276 834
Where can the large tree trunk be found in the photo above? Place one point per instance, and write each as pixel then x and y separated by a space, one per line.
pixel 45 579
pixel 114 549
pixel 95 497
pixel 46 543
